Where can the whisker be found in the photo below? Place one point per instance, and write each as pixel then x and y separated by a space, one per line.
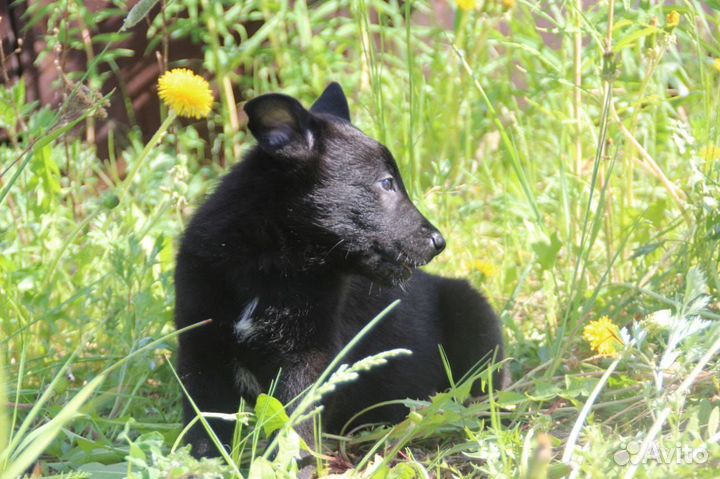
pixel 336 245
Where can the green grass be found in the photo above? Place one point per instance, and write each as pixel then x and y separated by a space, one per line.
pixel 563 209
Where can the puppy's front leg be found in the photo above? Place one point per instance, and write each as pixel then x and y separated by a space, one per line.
pixel 209 382
pixel 297 375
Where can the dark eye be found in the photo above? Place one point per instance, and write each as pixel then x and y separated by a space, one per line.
pixel 387 184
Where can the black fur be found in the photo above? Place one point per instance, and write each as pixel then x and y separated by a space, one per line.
pixel 301 245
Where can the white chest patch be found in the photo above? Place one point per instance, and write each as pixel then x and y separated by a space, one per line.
pixel 244 324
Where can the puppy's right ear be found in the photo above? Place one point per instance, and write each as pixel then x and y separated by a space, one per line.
pixel 332 101
pixel 280 124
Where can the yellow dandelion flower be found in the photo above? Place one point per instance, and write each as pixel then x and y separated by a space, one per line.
pixel 709 152
pixel 673 19
pixel 465 5
pixel 716 64
pixel 484 268
pixel 186 93
pixel 508 4
pixel 603 336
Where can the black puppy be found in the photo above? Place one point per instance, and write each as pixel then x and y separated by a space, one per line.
pixel 302 244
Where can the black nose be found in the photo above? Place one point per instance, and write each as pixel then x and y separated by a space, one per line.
pixel 438 241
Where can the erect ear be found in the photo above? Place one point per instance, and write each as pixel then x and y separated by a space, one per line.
pixel 333 102
pixel 280 124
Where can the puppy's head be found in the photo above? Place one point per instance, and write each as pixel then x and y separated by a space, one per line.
pixel 353 194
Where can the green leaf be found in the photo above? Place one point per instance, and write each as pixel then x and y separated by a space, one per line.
pixel 289 444
pixel 270 414
pixel 556 471
pixel 544 391
pixel 136 452
pixel 7 112
pixel 137 13
pixel 97 470
pixel 47 171
pixel 402 471
pixel 713 421
pixel 379 470
pixel 645 250
pixel 547 252
pixel 696 292
pixel 631 38
pixel 4 420
pixel 509 399
pixel 578 386
pixel 261 469
pixel 19 94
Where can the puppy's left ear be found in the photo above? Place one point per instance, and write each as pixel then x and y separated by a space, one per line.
pixel 333 102
pixel 281 125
